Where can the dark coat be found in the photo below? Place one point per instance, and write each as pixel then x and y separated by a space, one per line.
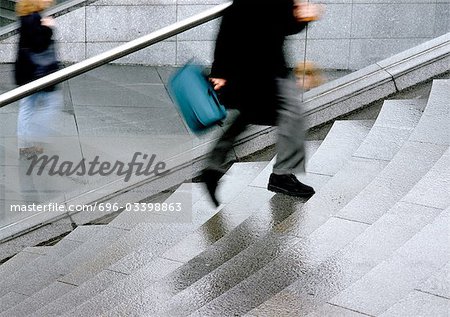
pixel 33 37
pixel 249 55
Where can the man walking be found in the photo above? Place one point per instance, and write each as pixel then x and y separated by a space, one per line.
pixel 249 72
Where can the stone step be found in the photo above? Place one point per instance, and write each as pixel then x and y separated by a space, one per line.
pixel 63 255
pixel 22 259
pixel 394 125
pixel 308 165
pixel 433 126
pixel 29 254
pixel 53 292
pixel 11 299
pixel 412 263
pixel 439 283
pixel 5 20
pixel 39 299
pixel 419 304
pixel 76 237
pixel 143 237
pixel 343 139
pixel 256 226
pixel 92 245
pixel 84 233
pixel 17 280
pixel 431 298
pixel 378 242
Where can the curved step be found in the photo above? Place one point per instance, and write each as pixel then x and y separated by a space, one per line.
pixel 439 283
pixel 433 126
pixel 412 263
pixel 394 125
pixel 342 140
pixel 428 142
pixel 21 276
pixel 23 258
pixel 29 254
pixel 28 279
pixel 431 298
pixel 313 270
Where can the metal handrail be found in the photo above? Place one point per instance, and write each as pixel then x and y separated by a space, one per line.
pixel 113 54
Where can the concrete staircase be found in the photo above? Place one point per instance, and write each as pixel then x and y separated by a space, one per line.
pixel 373 241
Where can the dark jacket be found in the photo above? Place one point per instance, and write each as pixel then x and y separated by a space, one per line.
pixel 33 38
pixel 249 55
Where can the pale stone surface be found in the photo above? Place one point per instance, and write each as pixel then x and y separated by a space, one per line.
pixel 374 30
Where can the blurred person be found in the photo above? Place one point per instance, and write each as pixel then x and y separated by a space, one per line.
pixel 307 75
pixel 249 72
pixel 36 58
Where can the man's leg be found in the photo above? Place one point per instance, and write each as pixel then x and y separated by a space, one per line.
pixel 291 135
pixel 224 145
pixel 217 157
pixel 290 144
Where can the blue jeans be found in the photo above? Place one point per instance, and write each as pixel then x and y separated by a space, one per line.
pixel 36 116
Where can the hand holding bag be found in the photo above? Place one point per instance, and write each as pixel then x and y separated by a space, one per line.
pixel 196 98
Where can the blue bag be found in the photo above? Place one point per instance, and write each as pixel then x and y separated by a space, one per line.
pixel 196 98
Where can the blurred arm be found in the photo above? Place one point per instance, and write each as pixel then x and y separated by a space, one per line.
pixel 38 36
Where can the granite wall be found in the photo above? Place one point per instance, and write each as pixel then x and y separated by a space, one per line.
pixel 352 34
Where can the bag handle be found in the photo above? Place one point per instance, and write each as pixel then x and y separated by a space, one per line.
pixel 213 94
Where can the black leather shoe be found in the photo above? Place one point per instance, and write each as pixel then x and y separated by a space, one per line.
pixel 289 185
pixel 211 179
